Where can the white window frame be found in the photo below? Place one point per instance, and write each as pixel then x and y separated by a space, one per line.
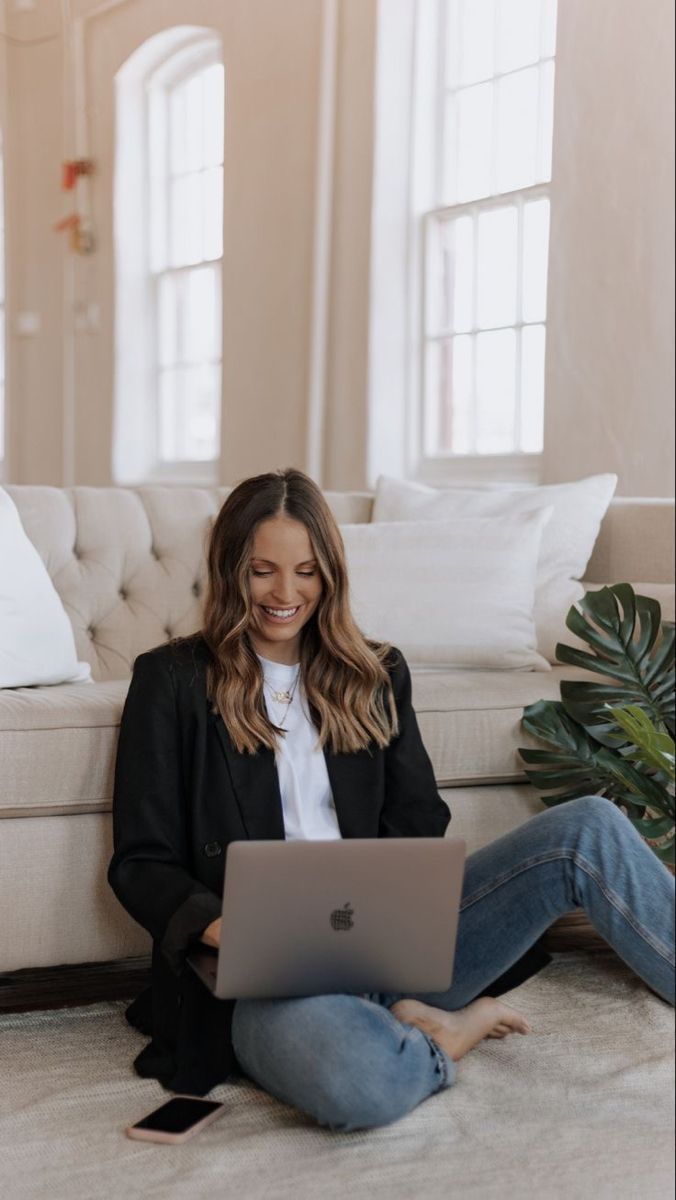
pixel 176 70
pixel 429 97
pixel 170 56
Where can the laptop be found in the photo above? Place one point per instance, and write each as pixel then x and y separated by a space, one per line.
pixel 304 918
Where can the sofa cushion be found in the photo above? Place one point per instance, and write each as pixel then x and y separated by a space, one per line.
pixel 470 721
pixel 576 511
pixel 36 637
pixel 457 594
pixel 57 744
pixel 57 747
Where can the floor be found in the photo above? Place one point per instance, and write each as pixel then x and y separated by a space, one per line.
pixel 583 1107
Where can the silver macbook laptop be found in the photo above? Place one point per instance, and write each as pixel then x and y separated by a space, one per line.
pixel 318 917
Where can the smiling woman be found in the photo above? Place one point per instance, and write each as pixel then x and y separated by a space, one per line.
pixel 278 589
pixel 285 593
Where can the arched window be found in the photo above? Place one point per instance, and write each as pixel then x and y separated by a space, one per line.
pixel 169 248
pixel 486 237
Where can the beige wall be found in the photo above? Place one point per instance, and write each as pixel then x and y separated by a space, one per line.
pixel 33 151
pixel 346 418
pixel 296 326
pixel 610 353
pixel 62 377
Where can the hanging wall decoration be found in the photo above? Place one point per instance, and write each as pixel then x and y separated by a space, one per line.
pixel 79 227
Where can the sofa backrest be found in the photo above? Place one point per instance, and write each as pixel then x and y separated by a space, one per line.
pixel 129 563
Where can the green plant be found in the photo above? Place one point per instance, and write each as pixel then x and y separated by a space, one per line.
pixel 613 736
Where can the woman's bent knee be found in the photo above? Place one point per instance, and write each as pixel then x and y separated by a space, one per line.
pixel 589 812
pixel 339 1059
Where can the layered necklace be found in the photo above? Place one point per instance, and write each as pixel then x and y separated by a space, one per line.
pixel 283 697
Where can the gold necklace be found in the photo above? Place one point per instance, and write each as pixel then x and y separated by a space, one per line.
pixel 284 697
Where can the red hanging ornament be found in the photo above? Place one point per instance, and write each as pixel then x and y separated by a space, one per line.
pixel 72 169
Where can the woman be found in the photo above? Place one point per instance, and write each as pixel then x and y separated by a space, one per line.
pixel 280 719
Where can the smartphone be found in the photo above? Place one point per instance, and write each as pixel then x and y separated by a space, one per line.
pixel 177 1120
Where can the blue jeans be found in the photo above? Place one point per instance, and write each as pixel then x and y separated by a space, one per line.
pixel 350 1064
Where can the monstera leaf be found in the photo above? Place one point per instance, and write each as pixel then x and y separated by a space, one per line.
pixel 633 652
pixel 613 737
pixel 651 746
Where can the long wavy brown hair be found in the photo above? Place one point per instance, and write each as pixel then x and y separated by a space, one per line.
pixel 343 673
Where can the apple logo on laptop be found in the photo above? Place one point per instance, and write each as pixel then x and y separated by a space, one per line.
pixel 341 918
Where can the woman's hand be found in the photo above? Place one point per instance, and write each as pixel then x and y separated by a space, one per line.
pixel 211 936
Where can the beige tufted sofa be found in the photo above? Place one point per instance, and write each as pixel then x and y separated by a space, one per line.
pixel 129 567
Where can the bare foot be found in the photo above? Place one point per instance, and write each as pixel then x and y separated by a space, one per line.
pixel 457 1032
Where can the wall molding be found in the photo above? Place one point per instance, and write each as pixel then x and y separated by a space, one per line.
pixel 321 282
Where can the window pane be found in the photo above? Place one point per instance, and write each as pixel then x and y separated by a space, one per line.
pixel 518 33
pixel 535 255
pixel 458 274
pixel 157 166
pixel 476 38
pixel 475 124
pixel 186 220
pixel 201 315
pixel 495 385
pixel 436 316
pixel 451 63
pixel 544 167
pixel 213 115
pixel 497 267
pixel 203 395
pixel 189 405
pixel 517 130
pixel 169 413
pixel 177 131
pixel 212 197
pixel 532 387
pixel 434 397
pixel 548 27
pixel 167 320
pixel 463 298
pixel 194 119
pixel 448 181
pixel 460 422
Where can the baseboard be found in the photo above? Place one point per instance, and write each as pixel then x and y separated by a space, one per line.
pixel 73 984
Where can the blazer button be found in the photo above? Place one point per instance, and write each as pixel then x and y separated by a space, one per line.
pixel 213 849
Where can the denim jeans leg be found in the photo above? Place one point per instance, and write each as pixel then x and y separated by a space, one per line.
pixel 350 1064
pixel 344 1060
pixel 584 853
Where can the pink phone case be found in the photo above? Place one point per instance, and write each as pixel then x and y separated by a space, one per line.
pixel 159 1135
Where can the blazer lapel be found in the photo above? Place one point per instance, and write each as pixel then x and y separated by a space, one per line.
pixel 353 779
pixel 256 786
pixel 255 783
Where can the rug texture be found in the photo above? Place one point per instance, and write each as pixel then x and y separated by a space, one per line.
pixel 581 1108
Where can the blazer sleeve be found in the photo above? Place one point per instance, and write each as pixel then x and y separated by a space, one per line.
pixel 149 871
pixel 413 806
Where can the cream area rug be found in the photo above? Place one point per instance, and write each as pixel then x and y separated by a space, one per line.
pixel 582 1107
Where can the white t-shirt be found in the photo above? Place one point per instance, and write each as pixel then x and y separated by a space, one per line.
pixel 307 800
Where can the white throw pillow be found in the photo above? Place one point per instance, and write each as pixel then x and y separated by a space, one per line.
pixel 567 542
pixel 449 593
pixel 36 637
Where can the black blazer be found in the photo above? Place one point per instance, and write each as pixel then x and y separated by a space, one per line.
pixel 182 793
